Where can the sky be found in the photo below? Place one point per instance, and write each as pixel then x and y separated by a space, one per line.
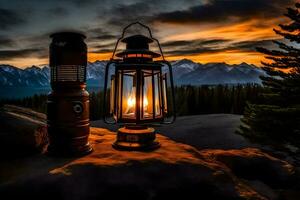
pixel 200 30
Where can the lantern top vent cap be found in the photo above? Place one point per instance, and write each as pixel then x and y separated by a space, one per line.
pixel 137 44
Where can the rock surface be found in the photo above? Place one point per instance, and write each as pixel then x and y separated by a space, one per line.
pixel 22 131
pixel 201 131
pixel 210 165
pixel 174 171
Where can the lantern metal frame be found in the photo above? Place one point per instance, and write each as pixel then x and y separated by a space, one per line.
pixel 136 126
pixel 154 65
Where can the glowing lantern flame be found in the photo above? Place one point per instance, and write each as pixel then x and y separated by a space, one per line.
pixel 145 103
pixel 130 102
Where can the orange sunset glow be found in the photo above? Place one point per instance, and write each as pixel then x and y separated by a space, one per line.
pixel 230 57
pixel 202 31
pixel 237 33
pixel 251 30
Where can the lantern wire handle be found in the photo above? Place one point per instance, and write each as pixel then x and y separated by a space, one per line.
pixel 112 60
pixel 105 93
pixel 172 92
pixel 150 34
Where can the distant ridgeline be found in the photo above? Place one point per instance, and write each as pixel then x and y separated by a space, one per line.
pixel 200 88
pixel 190 100
pixel 17 83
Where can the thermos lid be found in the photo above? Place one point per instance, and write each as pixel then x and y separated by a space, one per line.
pixel 67 34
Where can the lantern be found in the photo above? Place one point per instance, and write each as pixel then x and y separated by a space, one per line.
pixel 68 103
pixel 138 93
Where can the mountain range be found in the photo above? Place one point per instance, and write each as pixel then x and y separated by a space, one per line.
pixel 185 72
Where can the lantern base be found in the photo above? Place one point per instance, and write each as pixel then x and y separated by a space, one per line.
pixel 136 139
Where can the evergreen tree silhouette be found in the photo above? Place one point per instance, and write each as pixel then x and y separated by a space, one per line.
pixel 190 100
pixel 275 119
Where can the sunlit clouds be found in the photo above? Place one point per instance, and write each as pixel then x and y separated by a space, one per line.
pixel 230 57
pixel 200 30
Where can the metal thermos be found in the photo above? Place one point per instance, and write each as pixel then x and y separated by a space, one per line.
pixel 68 102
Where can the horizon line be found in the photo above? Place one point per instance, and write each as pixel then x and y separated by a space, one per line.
pixel 201 63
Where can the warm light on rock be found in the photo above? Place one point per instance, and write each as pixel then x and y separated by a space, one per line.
pixel 175 171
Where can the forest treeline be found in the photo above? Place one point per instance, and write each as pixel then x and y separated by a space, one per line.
pixel 190 100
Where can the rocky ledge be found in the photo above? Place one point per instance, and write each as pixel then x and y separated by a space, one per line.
pixel 174 171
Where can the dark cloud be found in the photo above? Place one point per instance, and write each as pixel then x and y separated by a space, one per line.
pixel 220 11
pixel 192 43
pixel 181 48
pixel 189 48
pixel 10 18
pixel 108 45
pixel 252 45
pixel 38 41
pixel 100 34
pixel 214 41
pixel 177 43
pixel 185 47
pixel 58 11
pixel 100 39
pixel 22 53
pixel 107 50
pixel 110 16
pixel 123 14
pixel 106 37
pixel 6 42
pixel 85 2
pixel 202 50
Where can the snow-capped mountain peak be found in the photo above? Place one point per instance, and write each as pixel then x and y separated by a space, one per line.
pixel 185 72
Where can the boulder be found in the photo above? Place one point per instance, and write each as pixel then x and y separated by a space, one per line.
pixel 253 164
pixel 174 171
pixel 22 131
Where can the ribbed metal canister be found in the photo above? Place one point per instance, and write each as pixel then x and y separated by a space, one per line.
pixel 68 102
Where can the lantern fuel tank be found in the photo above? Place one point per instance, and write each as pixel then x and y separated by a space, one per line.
pixel 68 102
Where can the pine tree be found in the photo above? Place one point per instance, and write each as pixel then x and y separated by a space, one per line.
pixel 275 119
